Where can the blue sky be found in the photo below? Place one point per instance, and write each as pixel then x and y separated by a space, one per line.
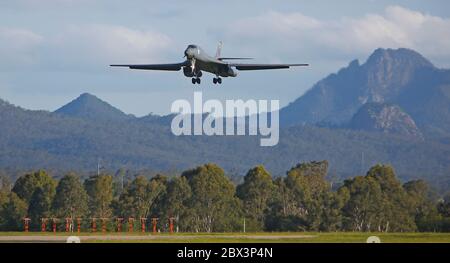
pixel 53 50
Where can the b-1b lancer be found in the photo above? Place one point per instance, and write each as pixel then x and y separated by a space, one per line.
pixel 198 61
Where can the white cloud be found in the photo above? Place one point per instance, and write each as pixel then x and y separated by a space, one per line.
pixel 34 4
pixel 18 46
pixel 80 48
pixel 109 43
pixel 396 27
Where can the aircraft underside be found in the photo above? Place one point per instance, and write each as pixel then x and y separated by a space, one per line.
pixel 197 67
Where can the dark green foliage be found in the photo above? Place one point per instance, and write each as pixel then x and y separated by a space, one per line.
pixel 436 224
pixel 12 213
pixel 4 199
pixel 444 206
pixel 213 206
pixel 304 198
pixel 256 194
pixel 26 185
pixel 37 189
pixel 377 202
pixel 100 191
pixel 421 200
pixel 140 196
pixel 175 202
pixel 71 199
pixel 204 199
pixel 40 205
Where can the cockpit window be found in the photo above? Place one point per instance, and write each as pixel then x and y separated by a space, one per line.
pixel 192 46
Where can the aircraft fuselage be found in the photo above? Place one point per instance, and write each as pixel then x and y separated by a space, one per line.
pixel 201 61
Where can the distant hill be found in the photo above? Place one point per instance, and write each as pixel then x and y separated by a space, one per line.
pixel 401 76
pixel 4 105
pixel 427 100
pixel 88 106
pixel 374 106
pixel 157 119
pixel 40 139
pixel 385 118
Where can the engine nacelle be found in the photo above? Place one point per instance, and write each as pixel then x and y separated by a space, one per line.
pixel 187 71
pixel 231 72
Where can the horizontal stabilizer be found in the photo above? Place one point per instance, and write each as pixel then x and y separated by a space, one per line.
pixel 265 66
pixel 232 58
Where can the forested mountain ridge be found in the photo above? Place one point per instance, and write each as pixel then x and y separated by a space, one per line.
pixel 88 106
pixel 401 76
pixel 77 135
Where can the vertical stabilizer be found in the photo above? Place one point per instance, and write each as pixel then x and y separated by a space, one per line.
pixel 219 49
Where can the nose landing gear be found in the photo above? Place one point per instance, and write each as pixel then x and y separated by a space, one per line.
pixel 197 75
pixel 217 80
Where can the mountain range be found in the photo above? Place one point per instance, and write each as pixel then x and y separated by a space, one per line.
pixel 401 77
pixel 386 118
pixel 88 106
pixel 394 108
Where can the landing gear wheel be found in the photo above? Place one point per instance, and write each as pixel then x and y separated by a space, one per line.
pixel 214 80
pixel 194 80
pixel 198 80
pixel 219 80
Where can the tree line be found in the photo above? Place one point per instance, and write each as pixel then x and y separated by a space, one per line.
pixel 204 199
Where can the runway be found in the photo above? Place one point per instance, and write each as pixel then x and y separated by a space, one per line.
pixel 143 238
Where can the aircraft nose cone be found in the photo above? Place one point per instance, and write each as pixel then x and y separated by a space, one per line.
pixel 188 53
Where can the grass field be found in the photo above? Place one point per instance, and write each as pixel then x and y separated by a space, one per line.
pixel 298 237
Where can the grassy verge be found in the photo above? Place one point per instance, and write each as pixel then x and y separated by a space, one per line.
pixel 292 237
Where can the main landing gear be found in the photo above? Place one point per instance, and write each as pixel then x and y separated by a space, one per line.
pixel 196 80
pixel 217 80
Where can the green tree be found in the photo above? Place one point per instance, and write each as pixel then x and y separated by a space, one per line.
pixel 13 212
pixel 37 189
pixel 300 198
pixel 420 201
pixel 377 202
pixel 41 204
pixel 25 185
pixel 444 206
pixel 158 186
pixel 213 205
pixel 5 182
pixel 282 215
pixel 174 203
pixel 256 193
pixel 138 198
pixel 307 180
pixel 395 214
pixel 331 217
pixel 71 200
pixel 4 199
pixel 359 211
pixel 100 192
